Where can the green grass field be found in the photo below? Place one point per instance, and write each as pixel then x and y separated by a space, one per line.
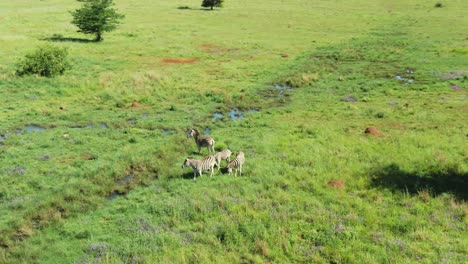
pixel 90 161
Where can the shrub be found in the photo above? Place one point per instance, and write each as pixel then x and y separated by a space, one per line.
pixel 46 61
pixel 212 3
pixel 438 4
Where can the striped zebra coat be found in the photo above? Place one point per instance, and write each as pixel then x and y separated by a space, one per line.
pixel 222 155
pixel 236 164
pixel 199 166
pixel 201 141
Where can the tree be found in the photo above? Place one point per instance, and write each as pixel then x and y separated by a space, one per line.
pixel 96 17
pixel 212 3
pixel 47 60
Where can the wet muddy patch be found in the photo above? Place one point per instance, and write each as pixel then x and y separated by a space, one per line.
pixel 283 89
pixel 33 128
pixel 207 131
pixel 234 114
pixel 406 77
pixel 276 91
pixel 168 131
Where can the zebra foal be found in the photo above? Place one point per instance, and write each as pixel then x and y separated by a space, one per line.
pixel 222 155
pixel 199 166
pixel 201 141
pixel 236 164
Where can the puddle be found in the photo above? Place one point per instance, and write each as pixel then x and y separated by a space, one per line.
pixel 33 128
pixel 127 179
pixel 3 137
pixel 217 116
pixel 145 116
pixel 392 102
pixel 282 89
pixel 235 114
pixel 404 79
pixel 207 131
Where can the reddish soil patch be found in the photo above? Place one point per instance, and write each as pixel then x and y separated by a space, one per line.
pixel 373 131
pixel 284 55
pixel 213 49
pixel 135 104
pixel 179 61
pixel 336 184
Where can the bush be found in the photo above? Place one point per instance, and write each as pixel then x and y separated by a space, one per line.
pixel 46 61
pixel 212 3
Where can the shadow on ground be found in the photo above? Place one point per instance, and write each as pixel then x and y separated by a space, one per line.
pixel 60 38
pixel 437 180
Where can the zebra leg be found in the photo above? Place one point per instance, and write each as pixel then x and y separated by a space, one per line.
pixel 194 175
pixel 240 170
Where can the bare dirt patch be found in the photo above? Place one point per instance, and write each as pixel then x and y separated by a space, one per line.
pixel 213 49
pixel 179 60
pixel 373 131
pixel 336 184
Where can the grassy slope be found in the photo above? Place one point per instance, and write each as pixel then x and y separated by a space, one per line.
pixel 394 206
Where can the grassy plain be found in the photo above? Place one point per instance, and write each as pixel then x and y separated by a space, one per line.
pixel 87 178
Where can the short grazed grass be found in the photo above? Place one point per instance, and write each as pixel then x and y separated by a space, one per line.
pixel 90 161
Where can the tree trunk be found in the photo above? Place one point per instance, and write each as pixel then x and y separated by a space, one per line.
pixel 211 7
pixel 98 36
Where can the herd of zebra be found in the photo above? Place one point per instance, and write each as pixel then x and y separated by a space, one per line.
pixel 209 162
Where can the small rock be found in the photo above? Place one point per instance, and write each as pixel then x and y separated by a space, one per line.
pixel 341 78
pixel 135 104
pixel 373 131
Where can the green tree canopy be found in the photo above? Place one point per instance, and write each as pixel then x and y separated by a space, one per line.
pixel 96 17
pixel 212 3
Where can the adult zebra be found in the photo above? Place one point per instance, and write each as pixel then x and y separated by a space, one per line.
pixel 199 166
pixel 201 141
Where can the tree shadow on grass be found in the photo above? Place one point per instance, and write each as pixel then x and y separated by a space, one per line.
pixel 60 38
pixel 437 180
pixel 197 9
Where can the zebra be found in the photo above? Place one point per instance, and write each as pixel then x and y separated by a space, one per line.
pixel 201 141
pixel 236 164
pixel 199 166
pixel 222 155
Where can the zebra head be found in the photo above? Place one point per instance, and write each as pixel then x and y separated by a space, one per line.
pixel 190 132
pixel 186 163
